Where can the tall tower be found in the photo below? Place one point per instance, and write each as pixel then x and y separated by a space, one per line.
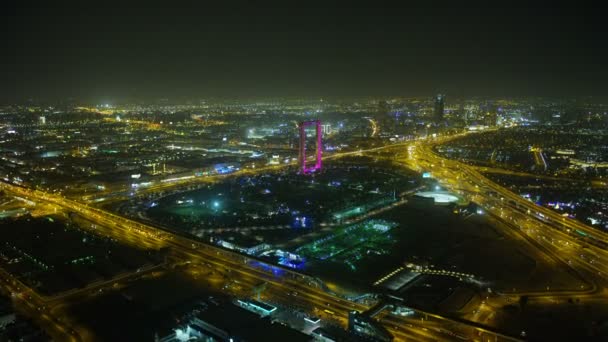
pixel 491 118
pixel 382 110
pixel 438 108
pixel 381 117
pixel 319 148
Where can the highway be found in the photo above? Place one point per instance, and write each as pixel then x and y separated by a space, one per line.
pixel 195 252
pixel 568 243
pixel 30 304
pixel 421 157
pixel 547 227
pixel 120 192
pixel 451 170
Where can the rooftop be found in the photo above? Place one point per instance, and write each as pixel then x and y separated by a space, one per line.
pixel 247 326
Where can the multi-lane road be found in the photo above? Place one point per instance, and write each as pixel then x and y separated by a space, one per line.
pixel 565 236
pixel 569 244
pixel 553 233
pixel 433 328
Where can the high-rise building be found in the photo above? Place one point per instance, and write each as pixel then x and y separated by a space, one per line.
pixel 318 148
pixel 326 128
pixel 382 113
pixel 382 110
pixel 491 118
pixel 439 107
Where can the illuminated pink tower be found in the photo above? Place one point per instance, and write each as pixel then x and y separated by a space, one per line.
pixel 302 156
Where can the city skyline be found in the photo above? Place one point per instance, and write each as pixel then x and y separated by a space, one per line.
pixel 251 171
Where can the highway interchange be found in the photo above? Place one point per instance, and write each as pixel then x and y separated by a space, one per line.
pixel 549 231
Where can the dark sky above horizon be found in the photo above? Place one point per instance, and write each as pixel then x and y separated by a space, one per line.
pixel 246 49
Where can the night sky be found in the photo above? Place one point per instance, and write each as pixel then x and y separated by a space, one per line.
pixel 244 50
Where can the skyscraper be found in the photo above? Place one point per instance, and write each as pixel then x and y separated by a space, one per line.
pixel 491 118
pixel 318 148
pixel 382 111
pixel 438 108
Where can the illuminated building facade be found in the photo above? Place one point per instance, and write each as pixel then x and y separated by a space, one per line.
pixel 318 151
pixel 438 107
